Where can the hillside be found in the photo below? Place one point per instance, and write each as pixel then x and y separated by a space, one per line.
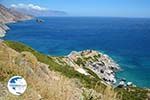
pixel 9 16
pixel 49 79
pixel 46 79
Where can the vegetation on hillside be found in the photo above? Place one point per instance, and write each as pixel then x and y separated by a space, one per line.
pixel 89 82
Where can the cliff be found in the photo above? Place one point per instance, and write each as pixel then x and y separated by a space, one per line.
pixel 10 16
pixel 54 78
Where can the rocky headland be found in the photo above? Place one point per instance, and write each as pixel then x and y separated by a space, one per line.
pixel 89 60
pixel 10 16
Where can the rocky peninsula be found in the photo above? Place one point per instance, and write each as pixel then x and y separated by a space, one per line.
pixel 90 60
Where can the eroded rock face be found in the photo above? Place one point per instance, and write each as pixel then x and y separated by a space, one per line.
pixel 10 16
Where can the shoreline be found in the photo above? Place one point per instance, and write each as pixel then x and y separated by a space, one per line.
pixel 8 16
pixel 4 28
pixel 99 63
pixel 121 77
pixel 101 52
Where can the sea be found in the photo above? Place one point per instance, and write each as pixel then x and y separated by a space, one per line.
pixel 126 40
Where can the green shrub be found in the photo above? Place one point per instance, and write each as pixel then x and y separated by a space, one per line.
pixel 132 93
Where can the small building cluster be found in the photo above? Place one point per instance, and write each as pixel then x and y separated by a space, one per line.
pixel 99 63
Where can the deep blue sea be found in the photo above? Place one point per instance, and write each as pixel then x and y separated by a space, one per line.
pixel 126 40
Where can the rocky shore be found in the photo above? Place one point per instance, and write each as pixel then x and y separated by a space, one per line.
pixel 101 64
pixel 10 16
pixel 3 29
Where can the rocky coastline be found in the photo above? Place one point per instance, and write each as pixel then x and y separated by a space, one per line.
pixel 10 16
pixel 101 64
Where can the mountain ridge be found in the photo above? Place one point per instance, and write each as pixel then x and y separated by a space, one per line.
pixel 40 13
pixel 10 16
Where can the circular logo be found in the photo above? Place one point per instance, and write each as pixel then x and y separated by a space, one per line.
pixel 17 85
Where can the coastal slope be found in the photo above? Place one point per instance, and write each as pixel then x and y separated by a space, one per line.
pixel 10 16
pixel 46 79
pixel 50 78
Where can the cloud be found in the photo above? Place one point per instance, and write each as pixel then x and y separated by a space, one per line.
pixel 29 6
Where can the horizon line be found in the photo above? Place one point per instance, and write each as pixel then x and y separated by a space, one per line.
pixel 95 16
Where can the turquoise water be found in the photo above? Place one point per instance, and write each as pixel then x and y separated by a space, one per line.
pixel 126 40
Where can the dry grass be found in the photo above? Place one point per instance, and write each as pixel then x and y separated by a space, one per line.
pixel 42 83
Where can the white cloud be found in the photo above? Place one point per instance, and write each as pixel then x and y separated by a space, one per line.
pixel 29 6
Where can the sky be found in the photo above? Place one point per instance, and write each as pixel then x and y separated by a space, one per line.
pixel 108 8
